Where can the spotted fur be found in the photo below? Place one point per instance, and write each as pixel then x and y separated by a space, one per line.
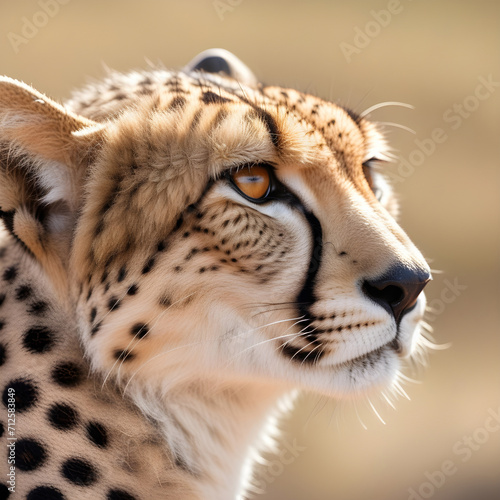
pixel 151 316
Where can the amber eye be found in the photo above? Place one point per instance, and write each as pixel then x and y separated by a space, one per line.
pixel 253 181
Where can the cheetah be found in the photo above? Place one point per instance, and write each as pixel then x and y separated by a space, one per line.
pixel 181 251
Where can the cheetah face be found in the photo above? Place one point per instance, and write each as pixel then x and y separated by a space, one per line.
pixel 231 234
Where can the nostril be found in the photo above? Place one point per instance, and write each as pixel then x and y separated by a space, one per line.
pixel 397 291
pixel 390 294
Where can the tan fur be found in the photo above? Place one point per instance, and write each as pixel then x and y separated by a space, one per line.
pixel 184 294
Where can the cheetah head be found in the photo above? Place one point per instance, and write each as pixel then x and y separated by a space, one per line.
pixel 209 229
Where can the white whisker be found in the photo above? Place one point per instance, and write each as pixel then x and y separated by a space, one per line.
pixel 400 389
pixel 398 125
pixel 375 411
pixel 389 402
pixel 359 418
pixel 366 112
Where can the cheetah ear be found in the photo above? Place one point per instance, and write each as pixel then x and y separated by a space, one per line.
pixel 222 61
pixel 44 154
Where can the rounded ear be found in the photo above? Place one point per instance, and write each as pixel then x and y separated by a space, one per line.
pixel 44 153
pixel 222 61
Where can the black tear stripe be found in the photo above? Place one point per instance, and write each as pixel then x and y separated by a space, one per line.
pixel 307 297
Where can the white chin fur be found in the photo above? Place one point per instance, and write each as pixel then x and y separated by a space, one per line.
pixel 354 378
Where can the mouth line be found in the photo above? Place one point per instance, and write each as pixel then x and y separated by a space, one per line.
pixel 368 357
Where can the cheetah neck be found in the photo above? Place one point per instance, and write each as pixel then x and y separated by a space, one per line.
pixel 212 432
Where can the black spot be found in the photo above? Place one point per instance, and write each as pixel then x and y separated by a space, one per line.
pixel 1 429
pixel 122 274
pixel 4 491
pixel 192 253
pixel 113 303
pixel 23 292
pixel 165 301
pixel 186 234
pixel 30 454
pixel 97 434
pixel 2 298
pixel 3 354
pixel 99 228
pixel 196 119
pixel 106 207
pixel 93 314
pixel 123 355
pixel 139 330
pixel 132 289
pixel 44 493
pixel 10 274
pixel 67 374
pixel 177 103
pixel 79 472
pixel 62 416
pixel 38 308
pixel 89 294
pixel 95 328
pixel 148 266
pixel 38 339
pixel 25 394
pixel 177 269
pixel 182 464
pixel 202 270
pixel 212 98
pixel 161 246
pixel 178 223
pixel 119 495
pixel 219 117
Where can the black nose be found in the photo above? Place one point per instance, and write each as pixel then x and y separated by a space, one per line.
pixel 397 290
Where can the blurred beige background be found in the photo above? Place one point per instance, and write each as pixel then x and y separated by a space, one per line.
pixel 431 54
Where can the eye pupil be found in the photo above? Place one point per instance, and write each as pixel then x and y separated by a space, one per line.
pixel 253 181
